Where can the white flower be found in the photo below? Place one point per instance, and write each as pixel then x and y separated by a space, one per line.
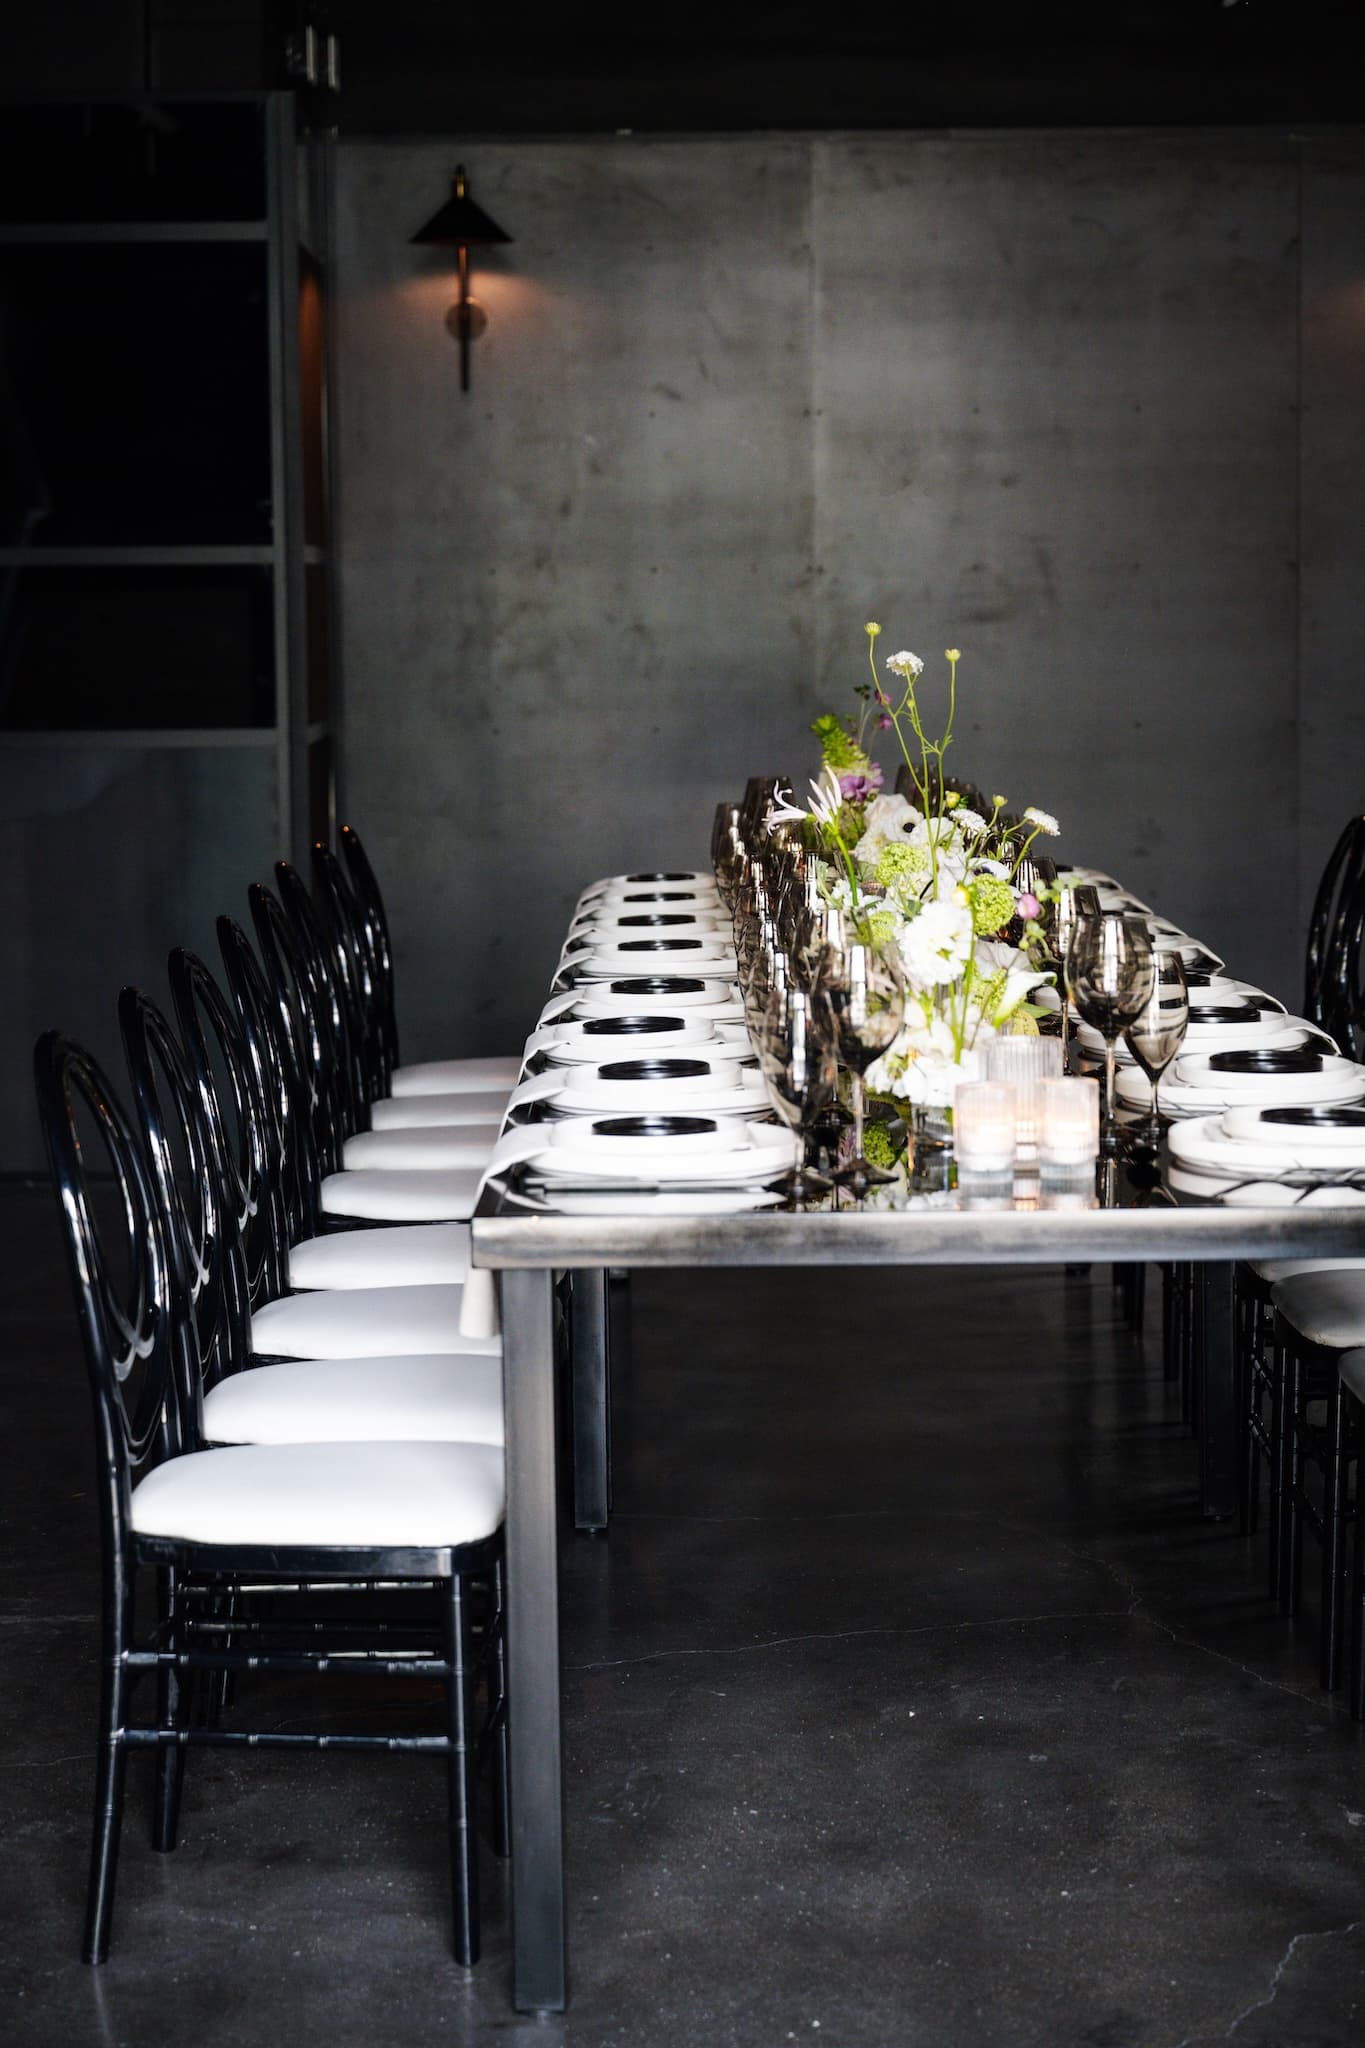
pixel 1043 821
pixel 982 866
pixel 827 799
pixel 905 664
pixel 970 824
pixel 782 811
pixel 887 821
pixel 920 1066
pixel 936 945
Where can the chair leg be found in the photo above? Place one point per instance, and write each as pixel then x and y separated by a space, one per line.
pixel 1279 1463
pixel 463 1840
pixel 1291 1518
pixel 1358 1592
pixel 1333 1541
pixel 111 1761
pixel 172 1701
pixel 502 1781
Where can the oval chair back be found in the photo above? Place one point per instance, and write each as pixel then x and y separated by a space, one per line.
pixel 186 1154
pixel 120 1276
pixel 232 1088
pixel 274 1058
pixel 370 899
pixel 303 1010
pixel 353 945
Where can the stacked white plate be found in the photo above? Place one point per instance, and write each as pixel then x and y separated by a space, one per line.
pixel 663 1084
pixel 677 993
pixel 1199 1083
pixel 658 1149
pixel 1219 1027
pixel 1286 1141
pixel 705 954
pixel 588 1041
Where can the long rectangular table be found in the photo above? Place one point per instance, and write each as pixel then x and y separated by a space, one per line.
pixel 527 1243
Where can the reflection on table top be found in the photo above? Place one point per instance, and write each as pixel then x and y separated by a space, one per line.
pixel 1126 1208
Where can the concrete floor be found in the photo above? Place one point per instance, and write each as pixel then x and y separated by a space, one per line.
pixel 908 1702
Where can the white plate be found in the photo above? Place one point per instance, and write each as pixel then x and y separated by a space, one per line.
pixel 574 1041
pixel 714 1087
pixel 699 956
pixel 1334 1145
pixel 695 995
pixel 1340 1081
pixel 645 923
pixel 628 1136
pixel 764 1151
pixel 1202 1146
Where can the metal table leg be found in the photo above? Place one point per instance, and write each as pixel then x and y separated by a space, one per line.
pixel 537 1800
pixel 589 1359
pixel 1216 1366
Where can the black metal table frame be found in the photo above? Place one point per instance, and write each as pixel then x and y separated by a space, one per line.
pixel 528 1248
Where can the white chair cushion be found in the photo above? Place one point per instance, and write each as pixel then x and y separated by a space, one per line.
pixel 1273 1271
pixel 1326 1308
pixel 1353 1374
pixel 416 1197
pixel 408 1112
pixel 436 1147
pixel 357 1496
pixel 354 1400
pixel 365 1322
pixel 405 1256
pixel 445 1077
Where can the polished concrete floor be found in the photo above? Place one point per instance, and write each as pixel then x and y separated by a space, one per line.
pixel 908 1701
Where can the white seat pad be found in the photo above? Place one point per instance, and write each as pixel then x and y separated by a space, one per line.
pixel 408 1112
pixel 404 1256
pixel 365 1322
pixel 1326 1308
pixel 437 1146
pixel 1273 1271
pixel 416 1197
pixel 354 1400
pixel 396 1495
pixel 444 1077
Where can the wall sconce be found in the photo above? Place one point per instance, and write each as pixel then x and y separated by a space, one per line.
pixel 461 225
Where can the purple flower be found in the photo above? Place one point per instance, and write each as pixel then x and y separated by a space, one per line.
pixel 1027 905
pixel 856 789
pixel 884 721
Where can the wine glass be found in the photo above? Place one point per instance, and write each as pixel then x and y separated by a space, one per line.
pixel 725 822
pixel 1110 968
pixel 865 989
pixel 1059 922
pixel 1156 1034
pixel 795 1046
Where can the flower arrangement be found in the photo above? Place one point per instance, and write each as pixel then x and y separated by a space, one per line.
pixel 935 877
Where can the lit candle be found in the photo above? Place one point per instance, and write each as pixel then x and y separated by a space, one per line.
pixel 983 1127
pixel 1025 1063
pixel 1070 1121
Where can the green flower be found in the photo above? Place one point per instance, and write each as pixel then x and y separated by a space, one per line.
pixel 877 1146
pixel 878 927
pixel 901 863
pixel 992 903
pixel 837 749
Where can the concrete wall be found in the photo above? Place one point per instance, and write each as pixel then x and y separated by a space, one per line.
pixel 1037 396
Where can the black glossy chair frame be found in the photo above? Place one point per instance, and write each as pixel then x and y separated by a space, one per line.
pixel 138 1355
pixel 1336 915
pixel 370 901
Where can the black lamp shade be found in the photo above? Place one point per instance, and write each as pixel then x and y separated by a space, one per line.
pixel 460 220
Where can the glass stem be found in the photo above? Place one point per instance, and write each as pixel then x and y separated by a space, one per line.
pixel 856 1091
pixel 1109 1047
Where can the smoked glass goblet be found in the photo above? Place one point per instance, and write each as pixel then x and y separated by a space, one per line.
pixel 795 1046
pixel 865 989
pixel 1110 968
pixel 1157 1033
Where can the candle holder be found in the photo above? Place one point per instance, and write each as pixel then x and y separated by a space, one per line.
pixel 984 1120
pixel 1025 1063
pixel 1069 1134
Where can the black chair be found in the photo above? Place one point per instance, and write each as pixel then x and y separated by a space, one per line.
pixel 1335 907
pixel 282 1517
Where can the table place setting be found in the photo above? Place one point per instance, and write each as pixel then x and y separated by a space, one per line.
pixel 898 996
